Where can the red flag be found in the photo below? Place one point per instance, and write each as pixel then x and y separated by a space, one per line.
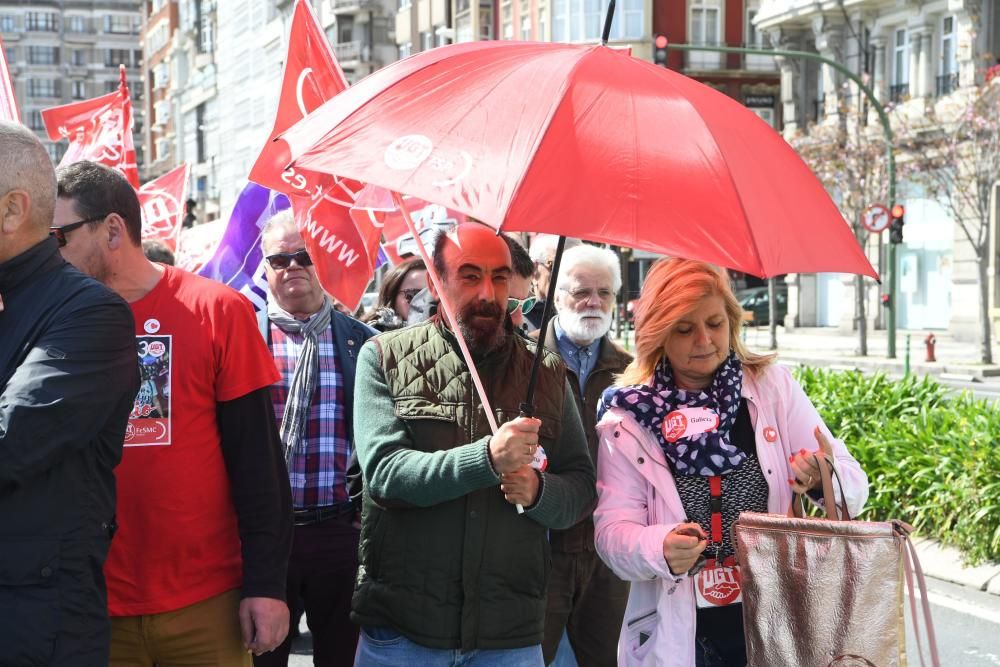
pixel 162 203
pixel 98 129
pixel 8 103
pixel 344 253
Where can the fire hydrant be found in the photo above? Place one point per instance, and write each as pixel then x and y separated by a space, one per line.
pixel 930 342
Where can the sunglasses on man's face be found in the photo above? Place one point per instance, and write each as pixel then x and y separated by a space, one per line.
pixel 61 232
pixel 524 304
pixel 282 260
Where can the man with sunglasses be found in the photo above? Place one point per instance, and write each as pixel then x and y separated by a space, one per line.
pixel 521 301
pixel 196 573
pixel 315 349
pixel 585 598
pixel 68 375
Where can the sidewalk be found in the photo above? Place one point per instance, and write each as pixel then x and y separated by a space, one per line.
pixel 829 347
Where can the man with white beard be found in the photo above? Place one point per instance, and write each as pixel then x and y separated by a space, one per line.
pixel 584 597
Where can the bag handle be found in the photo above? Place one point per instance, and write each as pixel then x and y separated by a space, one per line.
pixel 912 569
pixel 834 511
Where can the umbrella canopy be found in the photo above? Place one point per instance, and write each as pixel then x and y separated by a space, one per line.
pixel 583 141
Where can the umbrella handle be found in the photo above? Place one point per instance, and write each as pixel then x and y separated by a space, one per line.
pixel 449 313
pixel 528 407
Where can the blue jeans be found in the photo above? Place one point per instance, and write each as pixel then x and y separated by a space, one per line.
pixel 384 647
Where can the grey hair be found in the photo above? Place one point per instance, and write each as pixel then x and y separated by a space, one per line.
pixel 27 167
pixel 593 257
pixel 280 220
pixel 543 247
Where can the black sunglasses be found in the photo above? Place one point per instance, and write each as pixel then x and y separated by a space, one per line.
pixel 60 232
pixel 282 260
pixel 410 292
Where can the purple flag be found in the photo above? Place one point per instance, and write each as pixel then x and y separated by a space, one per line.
pixel 239 261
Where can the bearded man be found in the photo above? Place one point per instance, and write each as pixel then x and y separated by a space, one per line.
pixel 450 572
pixel 585 599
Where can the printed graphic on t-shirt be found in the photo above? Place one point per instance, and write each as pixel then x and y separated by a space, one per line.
pixel 149 423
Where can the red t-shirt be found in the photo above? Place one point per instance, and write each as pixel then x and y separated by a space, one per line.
pixel 177 541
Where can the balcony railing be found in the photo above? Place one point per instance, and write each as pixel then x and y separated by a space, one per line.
pixel 348 50
pixel 898 92
pixel 348 5
pixel 946 84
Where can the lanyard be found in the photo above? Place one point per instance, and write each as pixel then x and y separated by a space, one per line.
pixel 715 505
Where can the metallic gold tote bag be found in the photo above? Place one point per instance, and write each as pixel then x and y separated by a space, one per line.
pixel 827 592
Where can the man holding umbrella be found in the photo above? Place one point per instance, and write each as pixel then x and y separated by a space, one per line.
pixel 449 569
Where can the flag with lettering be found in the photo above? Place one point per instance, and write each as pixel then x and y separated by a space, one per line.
pixel 98 129
pixel 343 252
pixel 162 202
pixel 8 103
pixel 238 260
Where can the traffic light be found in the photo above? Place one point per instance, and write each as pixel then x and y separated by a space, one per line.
pixel 660 50
pixel 896 226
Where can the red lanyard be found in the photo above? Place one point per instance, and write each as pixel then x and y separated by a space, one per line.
pixel 715 504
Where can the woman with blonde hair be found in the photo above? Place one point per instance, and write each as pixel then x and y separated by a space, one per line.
pixel 696 430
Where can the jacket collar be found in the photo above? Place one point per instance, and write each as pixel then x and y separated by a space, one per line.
pixel 40 257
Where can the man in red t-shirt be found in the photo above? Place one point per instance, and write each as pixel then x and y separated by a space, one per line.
pixel 196 573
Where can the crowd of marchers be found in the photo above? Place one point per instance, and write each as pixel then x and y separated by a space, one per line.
pixel 180 475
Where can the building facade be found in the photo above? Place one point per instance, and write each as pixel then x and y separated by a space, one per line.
pixel 69 50
pixel 159 28
pixel 922 59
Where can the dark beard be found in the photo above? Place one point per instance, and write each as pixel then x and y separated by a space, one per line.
pixel 481 337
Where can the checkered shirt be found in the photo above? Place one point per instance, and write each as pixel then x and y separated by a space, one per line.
pixel 318 470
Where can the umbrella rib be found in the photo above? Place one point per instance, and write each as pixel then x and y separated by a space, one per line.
pixel 541 135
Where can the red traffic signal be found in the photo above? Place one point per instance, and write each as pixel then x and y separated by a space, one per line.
pixel 898 211
pixel 660 50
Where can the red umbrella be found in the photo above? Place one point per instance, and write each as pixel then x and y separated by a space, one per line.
pixel 583 141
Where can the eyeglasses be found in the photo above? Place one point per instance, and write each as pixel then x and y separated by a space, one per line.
pixel 410 292
pixel 282 260
pixel 61 232
pixel 583 294
pixel 524 304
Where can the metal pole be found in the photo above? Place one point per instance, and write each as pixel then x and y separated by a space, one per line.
pixel 889 154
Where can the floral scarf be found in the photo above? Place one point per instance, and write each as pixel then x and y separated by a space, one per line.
pixel 706 454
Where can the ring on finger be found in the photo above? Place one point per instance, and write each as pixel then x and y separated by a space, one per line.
pixel 810 482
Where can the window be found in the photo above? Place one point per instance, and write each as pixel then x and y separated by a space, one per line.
pixel 405 49
pixel 755 39
pixel 119 24
pixel 463 29
pixel 43 88
pixel 79 90
pixel 7 23
pixel 525 27
pixel 35 121
pixel 11 54
pixel 947 79
pixel 767 115
pixel 426 40
pixel 56 151
pixel 111 86
pixel 161 75
pixel 404 4
pixel 900 65
pixel 162 149
pixel 116 57
pixel 76 24
pixel 79 58
pixel 41 21
pixel 43 55
pixel 579 20
pixel 162 112
pixel 206 34
pixel 705 26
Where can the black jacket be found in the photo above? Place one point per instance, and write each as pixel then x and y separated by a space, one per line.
pixel 68 379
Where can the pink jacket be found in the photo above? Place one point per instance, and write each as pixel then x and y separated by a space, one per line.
pixel 638 505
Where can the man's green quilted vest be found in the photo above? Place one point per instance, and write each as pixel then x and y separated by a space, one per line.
pixel 469 573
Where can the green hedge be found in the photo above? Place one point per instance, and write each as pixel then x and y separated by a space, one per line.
pixel 932 459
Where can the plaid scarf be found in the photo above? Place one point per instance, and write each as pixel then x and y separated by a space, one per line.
pixel 306 375
pixel 706 454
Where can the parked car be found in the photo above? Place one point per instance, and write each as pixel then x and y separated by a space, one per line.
pixel 755 302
